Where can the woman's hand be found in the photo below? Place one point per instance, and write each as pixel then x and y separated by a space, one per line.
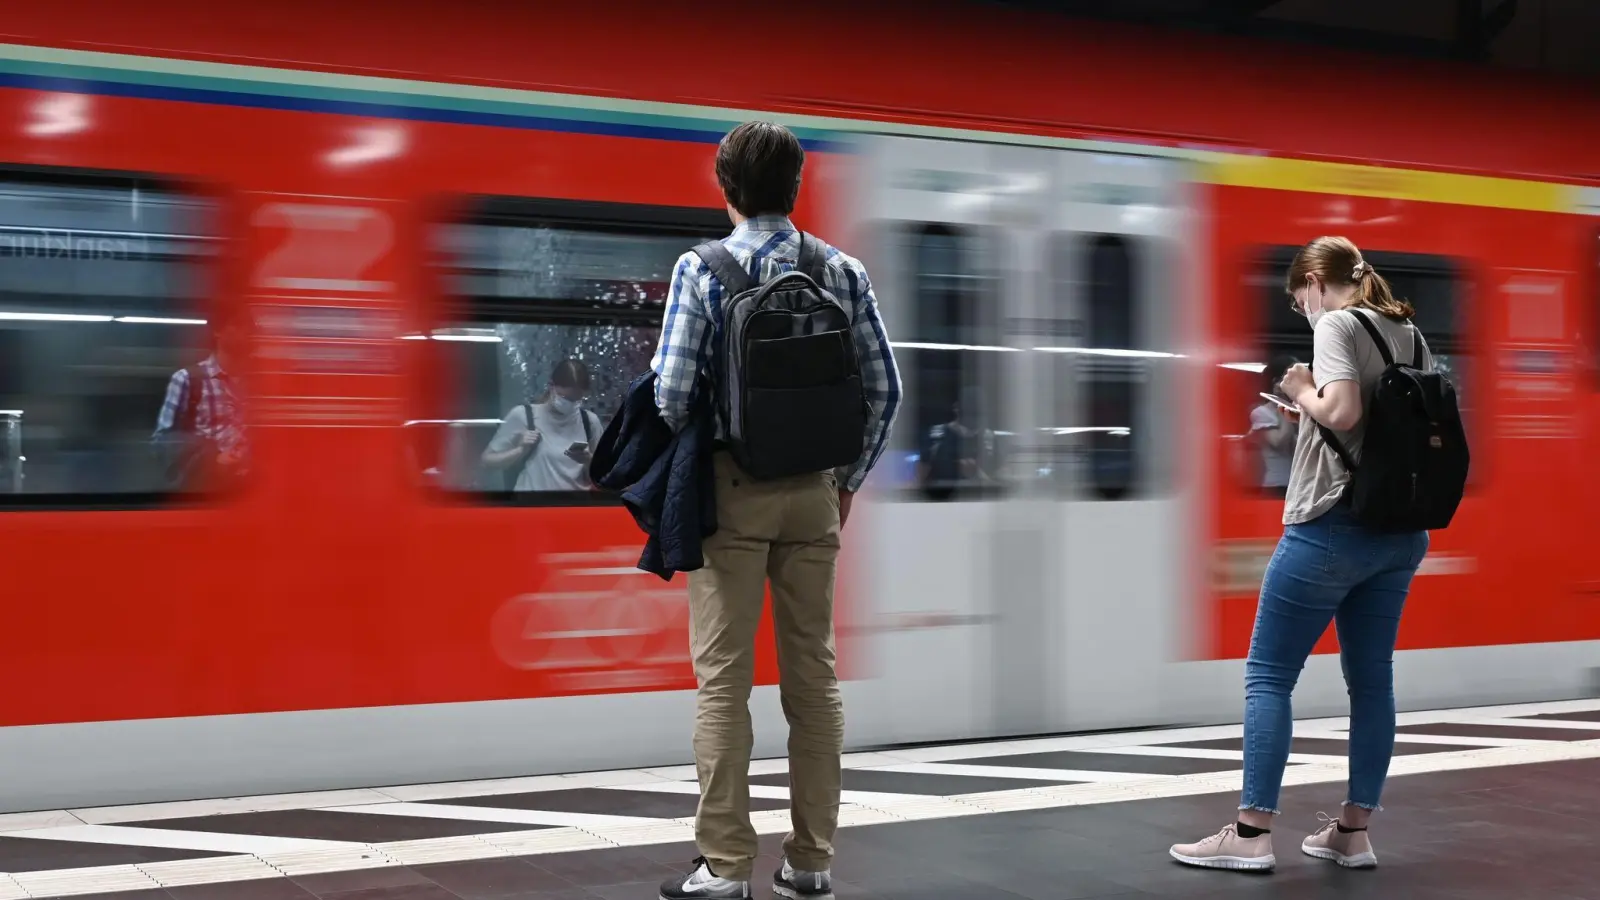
pixel 1337 405
pixel 1296 382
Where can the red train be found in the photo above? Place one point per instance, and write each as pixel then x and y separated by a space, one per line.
pixel 1077 234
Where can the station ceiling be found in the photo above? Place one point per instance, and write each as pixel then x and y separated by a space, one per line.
pixel 1560 37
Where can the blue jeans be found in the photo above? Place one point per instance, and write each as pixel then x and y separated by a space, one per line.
pixel 1329 568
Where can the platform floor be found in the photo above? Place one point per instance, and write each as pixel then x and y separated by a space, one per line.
pixel 1489 802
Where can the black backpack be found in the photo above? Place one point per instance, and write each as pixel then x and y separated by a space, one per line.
pixel 787 374
pixel 1414 457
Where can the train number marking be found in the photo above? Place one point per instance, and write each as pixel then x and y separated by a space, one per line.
pixel 326 248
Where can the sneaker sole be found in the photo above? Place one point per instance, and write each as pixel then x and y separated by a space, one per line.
pixel 1367 860
pixel 1233 863
pixel 789 893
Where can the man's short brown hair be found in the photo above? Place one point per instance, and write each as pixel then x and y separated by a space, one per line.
pixel 758 167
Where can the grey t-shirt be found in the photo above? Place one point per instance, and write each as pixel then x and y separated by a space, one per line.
pixel 1342 351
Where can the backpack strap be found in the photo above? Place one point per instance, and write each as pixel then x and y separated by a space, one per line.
pixel 588 433
pixel 1328 436
pixel 1416 347
pixel 1332 440
pixel 812 258
pixel 1377 338
pixel 735 280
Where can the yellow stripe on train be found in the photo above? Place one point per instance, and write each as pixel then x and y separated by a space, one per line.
pixel 1344 179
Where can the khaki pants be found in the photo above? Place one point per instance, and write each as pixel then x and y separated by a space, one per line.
pixel 787 531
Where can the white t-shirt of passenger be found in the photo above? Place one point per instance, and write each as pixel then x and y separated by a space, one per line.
pixel 548 467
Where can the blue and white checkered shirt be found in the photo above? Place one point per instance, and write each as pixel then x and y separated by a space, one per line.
pixel 768 246
pixel 216 409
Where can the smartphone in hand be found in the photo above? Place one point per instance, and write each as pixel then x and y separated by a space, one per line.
pixel 1282 403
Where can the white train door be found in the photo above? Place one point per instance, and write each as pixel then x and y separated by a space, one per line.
pixel 923 219
pixel 1117 254
pixel 1024 526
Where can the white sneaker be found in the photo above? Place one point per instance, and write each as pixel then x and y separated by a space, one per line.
pixel 798 884
pixel 1227 850
pixel 1353 850
pixel 703 884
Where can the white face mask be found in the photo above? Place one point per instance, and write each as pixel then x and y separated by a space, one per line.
pixel 562 406
pixel 1314 315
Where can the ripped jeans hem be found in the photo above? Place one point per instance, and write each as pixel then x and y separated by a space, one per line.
pixel 1370 807
pixel 1265 809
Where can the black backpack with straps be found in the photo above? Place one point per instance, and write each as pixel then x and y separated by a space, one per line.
pixel 1414 456
pixel 788 377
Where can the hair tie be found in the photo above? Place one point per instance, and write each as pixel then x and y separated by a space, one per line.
pixel 1361 269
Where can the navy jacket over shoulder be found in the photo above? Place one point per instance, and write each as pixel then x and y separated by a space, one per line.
pixel 666 480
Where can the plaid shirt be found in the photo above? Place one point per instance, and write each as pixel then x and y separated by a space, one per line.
pixel 768 246
pixel 216 415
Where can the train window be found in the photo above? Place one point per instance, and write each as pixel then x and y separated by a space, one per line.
pixel 101 325
pixel 1434 285
pixel 555 307
pixel 1111 366
pixel 951 435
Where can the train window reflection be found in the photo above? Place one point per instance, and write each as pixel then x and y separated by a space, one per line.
pixel 1096 279
pixel 1432 284
pixel 102 338
pixel 555 308
pixel 956 440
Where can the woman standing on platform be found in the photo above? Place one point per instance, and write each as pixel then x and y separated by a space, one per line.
pixel 1327 567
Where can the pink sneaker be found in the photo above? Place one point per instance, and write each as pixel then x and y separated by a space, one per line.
pixel 1353 850
pixel 1227 850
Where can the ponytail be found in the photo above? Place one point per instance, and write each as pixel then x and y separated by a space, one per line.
pixel 1336 260
pixel 1374 293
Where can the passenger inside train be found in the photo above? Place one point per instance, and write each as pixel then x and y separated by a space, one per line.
pixel 1274 422
pixel 958 453
pixel 200 434
pixel 544 445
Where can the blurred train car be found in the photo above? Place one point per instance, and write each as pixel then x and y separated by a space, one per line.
pixel 415 212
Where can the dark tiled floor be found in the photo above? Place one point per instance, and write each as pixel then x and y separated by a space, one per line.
pixel 907 783
pixel 1591 716
pixel 33 855
pixel 1511 833
pixel 599 801
pixel 491 879
pixel 1323 746
pixel 326 884
pixel 1498 731
pixel 322 825
pixel 1109 762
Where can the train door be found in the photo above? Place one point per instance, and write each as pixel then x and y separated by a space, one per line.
pixel 930 247
pixel 1028 548
pixel 1120 422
